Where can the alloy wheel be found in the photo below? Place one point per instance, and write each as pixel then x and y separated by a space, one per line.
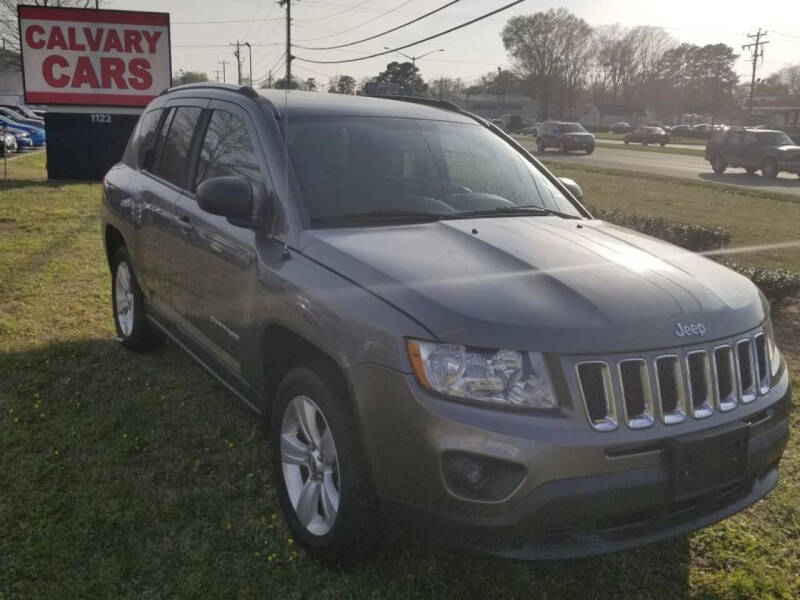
pixel 123 298
pixel 310 465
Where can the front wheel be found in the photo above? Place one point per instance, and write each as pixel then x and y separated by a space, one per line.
pixel 769 169
pixel 324 488
pixel 589 150
pixel 130 319
pixel 718 164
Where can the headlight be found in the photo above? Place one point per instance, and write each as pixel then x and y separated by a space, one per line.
pixel 501 377
pixel 775 357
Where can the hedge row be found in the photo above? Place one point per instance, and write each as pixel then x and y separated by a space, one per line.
pixel 780 286
pixel 696 238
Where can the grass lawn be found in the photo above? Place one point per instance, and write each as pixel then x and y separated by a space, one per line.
pixel 129 475
pixel 754 218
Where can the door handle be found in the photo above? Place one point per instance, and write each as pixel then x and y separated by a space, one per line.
pixel 184 223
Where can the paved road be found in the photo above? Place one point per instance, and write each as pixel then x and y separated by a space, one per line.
pixel 674 165
pixel 696 147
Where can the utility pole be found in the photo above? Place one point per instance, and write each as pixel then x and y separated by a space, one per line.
pixel 716 92
pixel 250 58
pixel 216 74
pixel 289 57
pixel 441 88
pixel 269 78
pixel 758 52
pixel 237 54
pixel 223 63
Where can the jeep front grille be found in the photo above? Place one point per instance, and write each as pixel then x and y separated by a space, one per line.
pixel 695 382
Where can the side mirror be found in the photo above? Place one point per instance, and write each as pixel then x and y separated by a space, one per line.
pixel 573 187
pixel 229 197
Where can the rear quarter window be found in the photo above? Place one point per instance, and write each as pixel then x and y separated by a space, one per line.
pixel 138 154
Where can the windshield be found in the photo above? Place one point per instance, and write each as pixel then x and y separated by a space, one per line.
pixel 571 128
pixel 347 165
pixel 775 138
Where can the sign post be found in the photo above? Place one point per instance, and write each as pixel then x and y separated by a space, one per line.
pixel 96 70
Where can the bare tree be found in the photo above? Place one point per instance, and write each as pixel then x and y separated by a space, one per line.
pixel 541 45
pixel 9 25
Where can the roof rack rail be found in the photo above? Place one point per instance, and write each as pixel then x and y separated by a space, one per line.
pixel 239 89
pixel 422 100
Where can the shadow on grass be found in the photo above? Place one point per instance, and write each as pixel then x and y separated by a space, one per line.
pixel 139 472
pixel 22 184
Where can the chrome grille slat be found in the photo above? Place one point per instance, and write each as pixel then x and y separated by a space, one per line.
pixel 725 377
pixel 671 396
pixel 694 382
pixel 745 372
pixel 597 393
pixel 698 375
pixel 637 399
pixel 763 371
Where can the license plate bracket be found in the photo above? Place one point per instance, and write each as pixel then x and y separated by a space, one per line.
pixel 702 464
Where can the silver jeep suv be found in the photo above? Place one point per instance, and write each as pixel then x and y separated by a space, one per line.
pixel 432 321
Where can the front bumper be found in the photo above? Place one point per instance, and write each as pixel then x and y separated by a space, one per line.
pixel 578 144
pixel 584 492
pixel 791 166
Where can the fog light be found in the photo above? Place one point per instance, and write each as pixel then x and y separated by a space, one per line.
pixel 480 478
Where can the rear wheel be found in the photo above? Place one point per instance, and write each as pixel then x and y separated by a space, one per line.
pixel 769 169
pixel 130 319
pixel 718 164
pixel 324 487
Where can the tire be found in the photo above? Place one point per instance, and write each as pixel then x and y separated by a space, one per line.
pixel 718 164
pixel 338 522
pixel 134 331
pixel 562 147
pixel 589 150
pixel 769 169
pixel 626 140
pixel 750 170
pixel 663 144
pixel 540 145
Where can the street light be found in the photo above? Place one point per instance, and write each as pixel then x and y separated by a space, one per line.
pixel 414 59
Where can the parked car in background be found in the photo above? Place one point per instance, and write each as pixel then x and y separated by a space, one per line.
pixel 681 130
pixel 39 112
pixel 621 127
pixel 531 129
pixel 753 149
pixel 500 123
pixel 647 135
pixel 428 319
pixel 23 110
pixel 24 141
pixel 565 136
pixel 37 133
pixel 15 116
pixel 9 144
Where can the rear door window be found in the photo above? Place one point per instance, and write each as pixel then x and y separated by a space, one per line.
pixel 174 162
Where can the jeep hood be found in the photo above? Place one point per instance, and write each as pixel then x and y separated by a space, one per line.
pixel 541 283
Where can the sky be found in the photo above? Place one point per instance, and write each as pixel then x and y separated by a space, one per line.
pixel 200 39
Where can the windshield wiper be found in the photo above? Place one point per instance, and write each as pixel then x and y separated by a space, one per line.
pixel 524 209
pixel 377 216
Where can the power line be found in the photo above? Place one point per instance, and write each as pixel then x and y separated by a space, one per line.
pixel 346 10
pixel 428 14
pixel 223 22
pixel 427 39
pixel 367 22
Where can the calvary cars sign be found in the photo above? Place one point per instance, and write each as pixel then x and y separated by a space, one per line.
pixel 93 57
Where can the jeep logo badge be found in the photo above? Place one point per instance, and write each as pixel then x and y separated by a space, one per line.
pixel 687 330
